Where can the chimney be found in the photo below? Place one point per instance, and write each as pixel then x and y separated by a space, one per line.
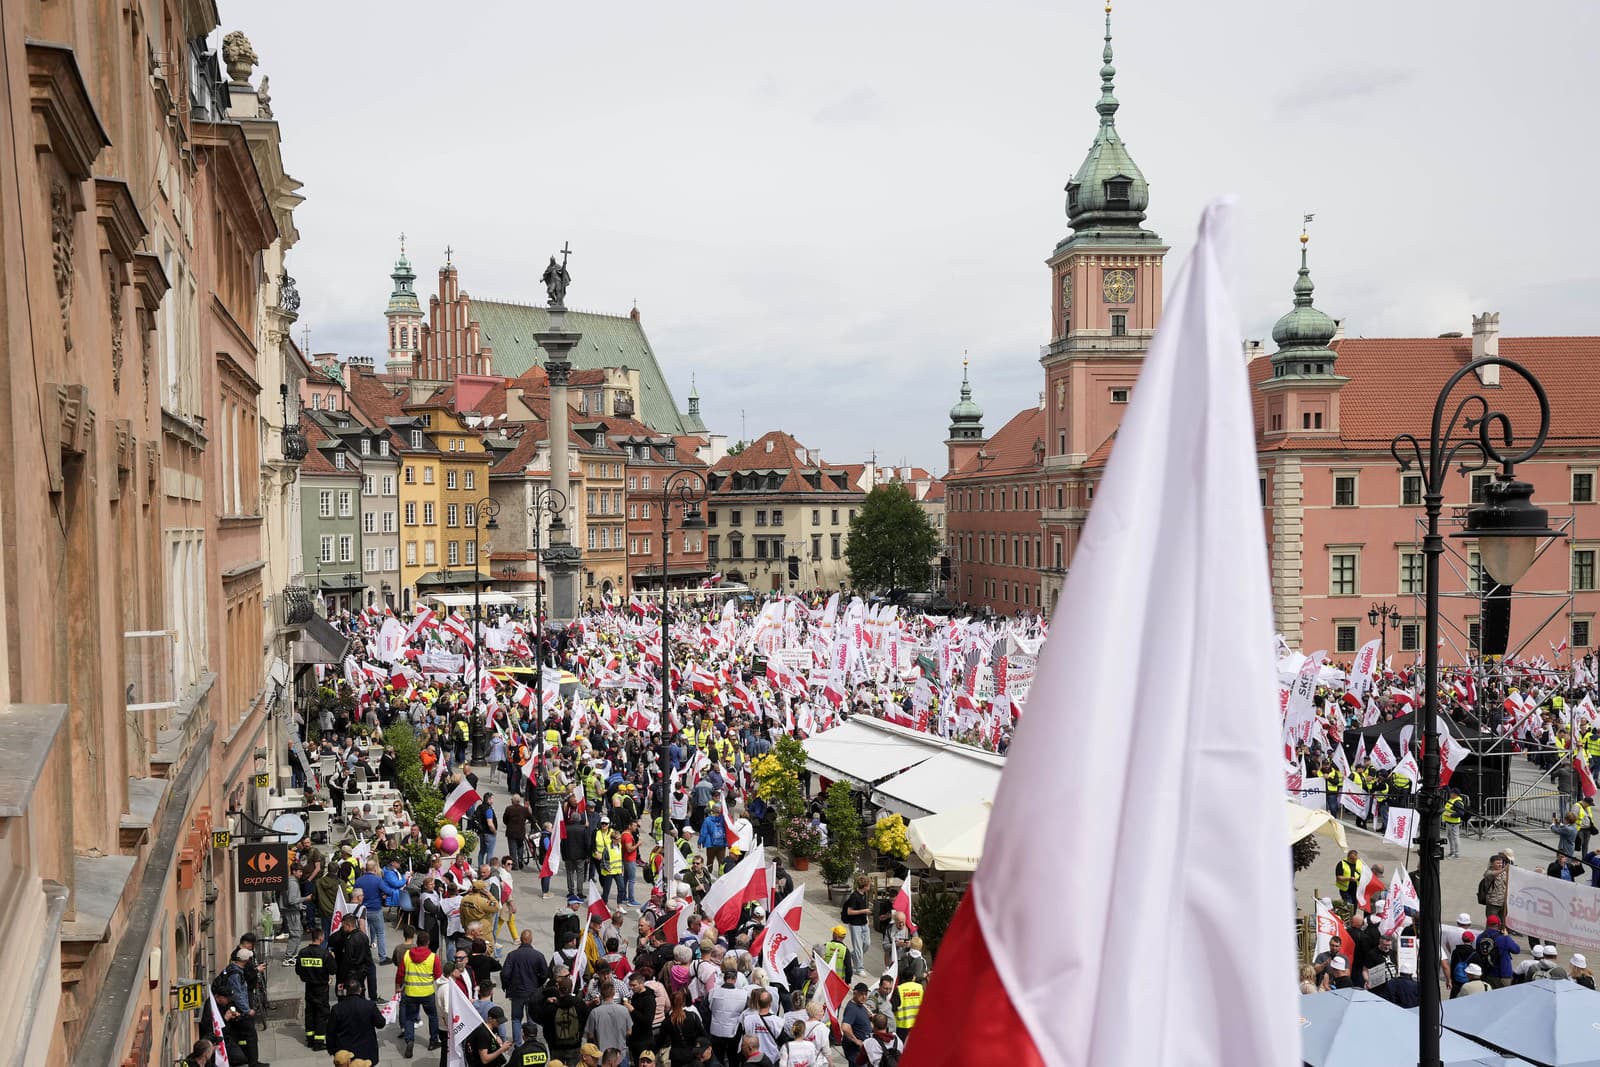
pixel 634 314
pixel 1041 400
pixel 1486 342
pixel 1252 349
pixel 1338 330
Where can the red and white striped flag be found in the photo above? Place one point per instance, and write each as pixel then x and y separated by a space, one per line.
pixel 1166 616
pixel 595 903
pixel 902 903
pixel 745 884
pixel 552 856
pixel 462 799
pixel 835 990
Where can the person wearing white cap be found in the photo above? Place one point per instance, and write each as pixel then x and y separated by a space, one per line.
pixel 1450 936
pixel 1339 973
pixel 1474 983
pixel 1578 970
pixel 1529 967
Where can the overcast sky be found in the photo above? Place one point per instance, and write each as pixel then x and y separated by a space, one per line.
pixel 819 206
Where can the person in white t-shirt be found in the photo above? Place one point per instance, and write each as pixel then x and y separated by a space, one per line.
pixel 1450 936
pixel 799 1052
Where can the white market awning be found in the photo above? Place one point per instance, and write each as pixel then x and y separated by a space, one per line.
pixel 860 753
pixel 946 780
pixel 951 841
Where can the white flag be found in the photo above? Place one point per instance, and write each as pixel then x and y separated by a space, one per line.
pixel 1402 827
pixel 464 1019
pixel 1167 617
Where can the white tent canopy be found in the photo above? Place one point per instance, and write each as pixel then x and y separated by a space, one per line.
pixel 860 753
pixel 951 840
pixel 944 779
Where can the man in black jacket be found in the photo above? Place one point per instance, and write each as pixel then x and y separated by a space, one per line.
pixel 315 966
pixel 352 954
pixel 523 975
pixel 354 1026
pixel 642 1007
pixel 575 851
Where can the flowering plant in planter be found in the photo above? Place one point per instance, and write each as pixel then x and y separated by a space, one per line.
pixel 800 838
pixel 889 837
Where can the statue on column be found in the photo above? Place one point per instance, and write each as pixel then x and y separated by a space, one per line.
pixel 556 279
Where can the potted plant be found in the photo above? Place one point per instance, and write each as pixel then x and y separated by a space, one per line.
pixel 889 838
pixel 802 840
pixel 844 836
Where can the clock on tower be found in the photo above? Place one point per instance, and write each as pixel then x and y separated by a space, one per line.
pixel 1118 286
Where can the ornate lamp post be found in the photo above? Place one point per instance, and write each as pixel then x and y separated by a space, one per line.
pixel 1508 529
pixel 690 489
pixel 546 500
pixel 1378 614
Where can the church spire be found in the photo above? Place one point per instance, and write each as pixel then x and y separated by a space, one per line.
pixel 966 417
pixel 403 297
pixel 1108 195
pixel 1304 332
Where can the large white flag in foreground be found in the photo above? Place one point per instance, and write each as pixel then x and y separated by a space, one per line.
pixel 1151 732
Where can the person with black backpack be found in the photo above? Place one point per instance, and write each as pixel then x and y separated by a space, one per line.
pixel 562 1017
pixel 884 1048
pixel 486 824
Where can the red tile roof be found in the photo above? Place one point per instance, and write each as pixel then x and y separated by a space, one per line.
pixel 935 493
pixel 784 455
pixel 1010 451
pixel 1394 382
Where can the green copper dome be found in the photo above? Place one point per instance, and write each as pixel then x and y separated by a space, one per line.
pixel 403 298
pixel 1304 327
pixel 1109 191
pixel 966 417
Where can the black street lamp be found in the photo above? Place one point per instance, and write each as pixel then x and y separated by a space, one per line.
pixel 546 500
pixel 1508 529
pixel 1377 615
pixel 690 489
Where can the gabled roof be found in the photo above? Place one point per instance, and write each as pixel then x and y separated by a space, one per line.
pixel 1010 451
pixel 319 442
pixel 608 341
pixel 784 459
pixel 1393 383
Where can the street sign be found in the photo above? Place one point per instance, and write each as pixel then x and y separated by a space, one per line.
pixel 191 996
pixel 263 868
pixel 221 839
pixel 262 781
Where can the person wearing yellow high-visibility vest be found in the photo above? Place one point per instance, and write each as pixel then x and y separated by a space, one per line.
pixel 608 859
pixel 1456 809
pixel 907 1003
pixel 1347 876
pixel 1591 749
pixel 419 970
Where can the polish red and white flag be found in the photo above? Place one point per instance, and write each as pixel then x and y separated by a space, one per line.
pixel 595 903
pixel 835 990
pixel 902 903
pixel 745 884
pixel 552 856
pixel 672 927
pixel 462 799
pixel 789 909
pixel 1167 616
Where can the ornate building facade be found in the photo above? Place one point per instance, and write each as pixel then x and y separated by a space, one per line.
pixel 145 509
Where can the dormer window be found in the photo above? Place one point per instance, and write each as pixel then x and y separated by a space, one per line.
pixel 1072 196
pixel 416 438
pixel 1119 190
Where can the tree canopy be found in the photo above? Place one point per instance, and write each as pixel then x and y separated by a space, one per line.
pixel 892 543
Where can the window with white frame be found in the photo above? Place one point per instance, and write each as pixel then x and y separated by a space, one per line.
pixel 427 475
pixel 472 552
pixel 369 485
pixel 411 512
pixel 469 515
pixel 326 554
pixel 594 538
pixel 452 553
pixel 369 522
pixel 347 507
pixel 427 513
pixel 369 559
pixel 467 476
pixel 411 553
pixel 388 485
pixel 430 553
pixel 449 479
pixel 451 513
pixel 325 503
pixel 1583 487
pixel 347 548
pixel 1344 490
pixel 388 558
pixel 388 522
pixel 1412 574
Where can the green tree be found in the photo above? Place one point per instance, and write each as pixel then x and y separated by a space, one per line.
pixel 891 541
pixel 844 835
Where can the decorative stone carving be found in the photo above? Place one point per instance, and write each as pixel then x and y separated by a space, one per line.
pixel 559 371
pixel 264 98
pixel 61 240
pixel 239 57
pixel 114 298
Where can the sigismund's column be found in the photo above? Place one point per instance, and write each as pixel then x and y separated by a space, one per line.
pixel 561 557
